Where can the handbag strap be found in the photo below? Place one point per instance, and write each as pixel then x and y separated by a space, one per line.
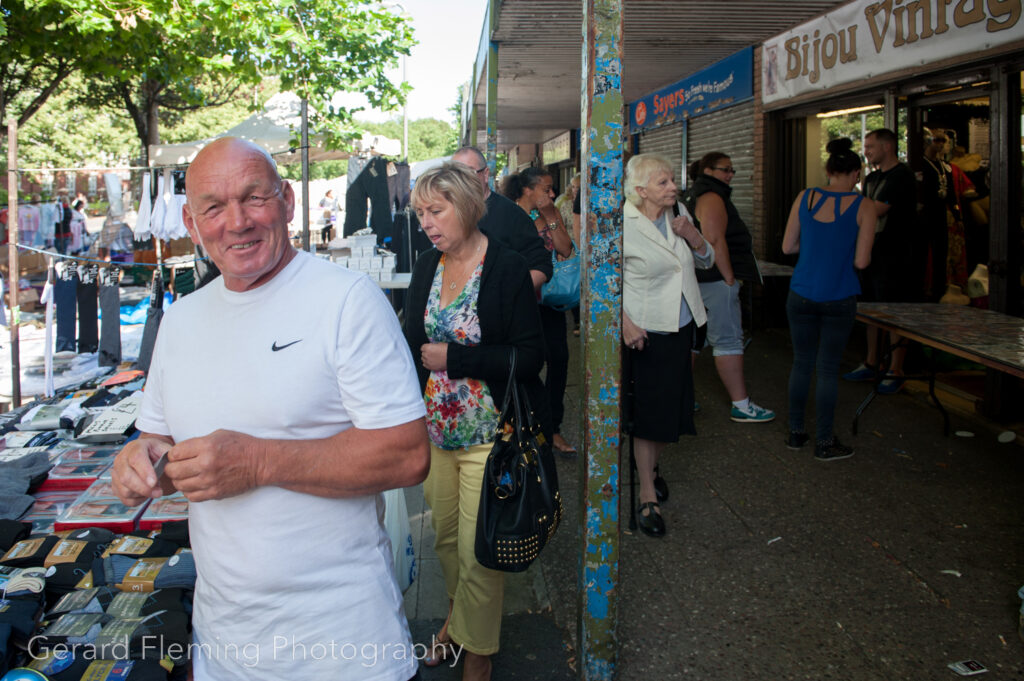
pixel 575 253
pixel 506 402
pixel 512 408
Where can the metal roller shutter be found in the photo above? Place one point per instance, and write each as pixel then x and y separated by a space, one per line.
pixel 667 141
pixel 730 131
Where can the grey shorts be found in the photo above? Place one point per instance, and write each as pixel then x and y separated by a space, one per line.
pixel 725 317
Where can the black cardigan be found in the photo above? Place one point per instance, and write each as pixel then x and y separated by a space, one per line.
pixel 507 307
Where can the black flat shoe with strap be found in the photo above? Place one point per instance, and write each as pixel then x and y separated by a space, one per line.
pixel 651 524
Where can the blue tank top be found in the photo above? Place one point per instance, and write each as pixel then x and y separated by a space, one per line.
pixel 824 270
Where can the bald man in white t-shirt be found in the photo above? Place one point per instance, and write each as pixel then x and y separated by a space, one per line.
pixel 285 399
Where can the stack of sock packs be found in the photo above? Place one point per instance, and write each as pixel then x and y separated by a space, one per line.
pixel 117 607
pixel 20 610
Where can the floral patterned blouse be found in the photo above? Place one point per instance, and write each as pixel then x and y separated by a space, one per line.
pixel 460 411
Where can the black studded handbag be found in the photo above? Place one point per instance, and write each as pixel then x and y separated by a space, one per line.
pixel 520 506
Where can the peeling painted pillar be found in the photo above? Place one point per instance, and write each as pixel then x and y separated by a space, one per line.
pixel 471 138
pixel 492 110
pixel 600 316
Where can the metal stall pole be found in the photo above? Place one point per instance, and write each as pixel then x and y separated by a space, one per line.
pixel 12 258
pixel 492 107
pixel 305 175
pixel 601 312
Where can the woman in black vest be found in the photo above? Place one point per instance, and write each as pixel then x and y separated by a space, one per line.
pixel 709 199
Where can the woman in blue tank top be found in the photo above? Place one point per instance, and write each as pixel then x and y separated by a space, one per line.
pixel 832 228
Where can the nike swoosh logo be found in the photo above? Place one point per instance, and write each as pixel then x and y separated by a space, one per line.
pixel 275 347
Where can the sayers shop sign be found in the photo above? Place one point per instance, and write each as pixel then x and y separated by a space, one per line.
pixel 862 40
pixel 728 82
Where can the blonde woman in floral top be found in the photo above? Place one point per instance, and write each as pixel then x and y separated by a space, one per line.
pixel 469 303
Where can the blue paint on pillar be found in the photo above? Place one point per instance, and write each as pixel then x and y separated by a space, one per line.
pixel 601 309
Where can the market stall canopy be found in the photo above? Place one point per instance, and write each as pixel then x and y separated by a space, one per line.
pixel 272 129
pixel 419 167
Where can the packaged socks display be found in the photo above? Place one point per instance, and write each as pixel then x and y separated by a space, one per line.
pixel 11 532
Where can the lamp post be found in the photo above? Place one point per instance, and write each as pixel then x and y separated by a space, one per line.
pixel 405 112
pixel 405 106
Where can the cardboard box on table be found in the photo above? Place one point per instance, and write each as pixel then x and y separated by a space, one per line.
pixel 105 512
pixel 29 262
pixel 77 469
pixel 164 510
pixel 75 475
pixel 47 506
pixel 28 299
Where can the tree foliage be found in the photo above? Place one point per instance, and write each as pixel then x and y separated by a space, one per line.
pixel 182 55
pixel 41 48
pixel 428 137
pixel 63 135
pixel 855 125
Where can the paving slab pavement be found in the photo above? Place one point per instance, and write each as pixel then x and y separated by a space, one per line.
pixel 887 565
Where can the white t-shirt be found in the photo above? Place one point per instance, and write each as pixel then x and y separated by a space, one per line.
pixel 290 585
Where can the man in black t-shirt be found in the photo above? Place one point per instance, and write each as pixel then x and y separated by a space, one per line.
pixel 896 271
pixel 507 222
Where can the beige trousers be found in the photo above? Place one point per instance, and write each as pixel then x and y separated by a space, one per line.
pixel 452 489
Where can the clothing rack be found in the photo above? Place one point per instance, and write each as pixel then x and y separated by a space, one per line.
pixel 99 169
pixel 106 263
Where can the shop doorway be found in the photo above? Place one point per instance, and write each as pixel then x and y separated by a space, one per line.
pixel 950 149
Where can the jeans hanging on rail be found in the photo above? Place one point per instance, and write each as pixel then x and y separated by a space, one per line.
pixel 65 296
pixel 371 184
pixel 88 325
pixel 110 326
pixel 153 316
pixel 398 187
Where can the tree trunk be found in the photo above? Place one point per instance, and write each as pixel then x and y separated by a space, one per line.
pixel 152 126
pixel 144 113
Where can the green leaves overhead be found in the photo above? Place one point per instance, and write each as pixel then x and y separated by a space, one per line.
pixel 146 55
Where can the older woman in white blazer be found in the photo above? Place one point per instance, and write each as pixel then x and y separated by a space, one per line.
pixel 661 308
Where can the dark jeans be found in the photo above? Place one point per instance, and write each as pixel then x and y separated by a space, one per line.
pixel 65 295
pixel 820 332
pixel 88 324
pixel 371 184
pixel 556 353
pixel 110 328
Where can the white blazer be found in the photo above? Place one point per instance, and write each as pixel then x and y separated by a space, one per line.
pixel 656 272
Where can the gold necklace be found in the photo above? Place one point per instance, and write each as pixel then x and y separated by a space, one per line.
pixel 473 263
pixel 940 171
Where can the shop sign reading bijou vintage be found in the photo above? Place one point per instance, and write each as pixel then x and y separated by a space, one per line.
pixel 865 39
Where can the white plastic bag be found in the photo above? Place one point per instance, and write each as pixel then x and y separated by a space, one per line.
pixel 396 523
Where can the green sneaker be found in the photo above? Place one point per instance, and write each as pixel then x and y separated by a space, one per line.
pixel 752 414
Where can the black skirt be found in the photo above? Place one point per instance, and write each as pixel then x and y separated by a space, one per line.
pixel 659 387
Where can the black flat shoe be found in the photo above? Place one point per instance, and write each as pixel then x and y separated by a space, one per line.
pixel 661 489
pixel 651 524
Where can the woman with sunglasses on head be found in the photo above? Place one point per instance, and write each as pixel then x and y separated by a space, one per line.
pixel 709 199
pixel 832 228
pixel 531 190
